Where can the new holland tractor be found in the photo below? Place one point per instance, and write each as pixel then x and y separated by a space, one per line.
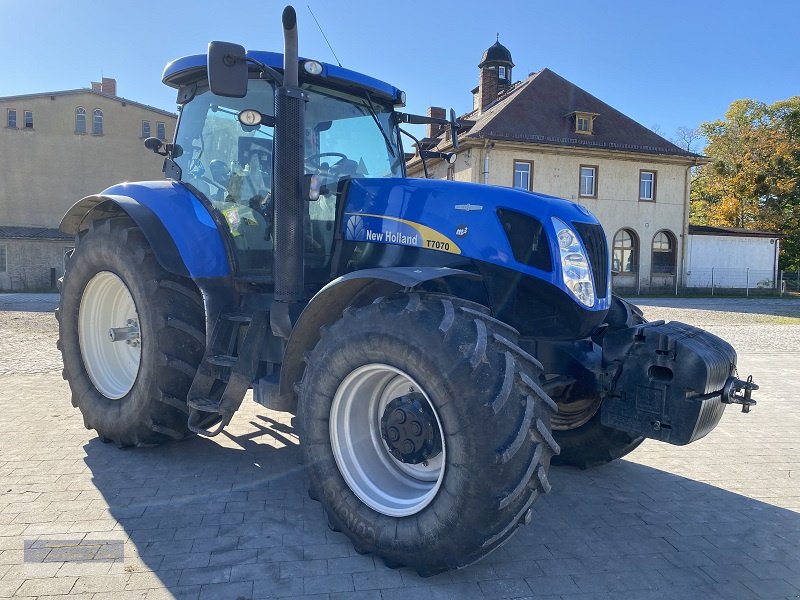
pixel 439 343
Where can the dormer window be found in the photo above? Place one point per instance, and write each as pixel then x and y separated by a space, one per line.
pixel 584 122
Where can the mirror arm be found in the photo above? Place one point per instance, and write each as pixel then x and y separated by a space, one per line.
pixel 445 156
pixel 266 70
pixel 424 165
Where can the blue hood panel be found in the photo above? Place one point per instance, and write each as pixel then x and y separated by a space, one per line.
pixel 186 219
pixel 459 218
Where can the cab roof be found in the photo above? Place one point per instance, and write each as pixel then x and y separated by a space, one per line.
pixel 190 69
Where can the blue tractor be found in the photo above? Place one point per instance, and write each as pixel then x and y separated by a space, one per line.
pixel 439 343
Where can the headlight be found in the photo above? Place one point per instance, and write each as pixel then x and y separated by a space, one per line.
pixel 574 264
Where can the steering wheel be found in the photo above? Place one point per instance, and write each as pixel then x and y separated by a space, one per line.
pixel 319 155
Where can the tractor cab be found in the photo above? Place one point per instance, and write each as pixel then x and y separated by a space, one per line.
pixel 225 151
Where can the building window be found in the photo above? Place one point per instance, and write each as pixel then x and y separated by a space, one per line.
pixel 584 122
pixel 626 252
pixel 647 185
pixel 161 130
pixel 588 182
pixel 3 259
pixel 523 175
pixel 11 120
pixel 501 72
pixel 663 253
pixel 28 115
pixel 145 129
pixel 80 120
pixel 97 122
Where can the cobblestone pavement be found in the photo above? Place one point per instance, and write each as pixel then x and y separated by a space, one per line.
pixel 229 518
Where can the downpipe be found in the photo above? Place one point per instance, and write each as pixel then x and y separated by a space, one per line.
pixel 289 205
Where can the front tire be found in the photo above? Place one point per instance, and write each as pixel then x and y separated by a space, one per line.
pixel 431 501
pixel 131 391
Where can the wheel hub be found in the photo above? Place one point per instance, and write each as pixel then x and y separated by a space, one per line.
pixel 410 430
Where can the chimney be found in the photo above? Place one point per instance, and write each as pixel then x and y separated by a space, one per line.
pixel 436 112
pixel 488 87
pixel 106 86
pixel 109 86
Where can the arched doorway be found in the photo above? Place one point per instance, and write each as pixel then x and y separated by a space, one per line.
pixel 625 261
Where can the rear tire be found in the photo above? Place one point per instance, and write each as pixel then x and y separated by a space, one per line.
pixel 133 394
pixel 593 444
pixel 461 503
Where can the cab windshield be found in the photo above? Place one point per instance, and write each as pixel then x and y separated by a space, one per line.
pixel 231 164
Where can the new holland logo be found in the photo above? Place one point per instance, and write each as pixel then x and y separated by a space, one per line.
pixel 355 229
pixel 462 230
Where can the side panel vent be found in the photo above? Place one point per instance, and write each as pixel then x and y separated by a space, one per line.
pixel 527 239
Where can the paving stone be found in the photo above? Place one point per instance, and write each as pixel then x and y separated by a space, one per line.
pixel 240 590
pixel 705 521
pixel 323 584
pixel 46 587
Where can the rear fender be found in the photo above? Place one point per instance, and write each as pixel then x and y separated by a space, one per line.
pixel 354 289
pixel 179 228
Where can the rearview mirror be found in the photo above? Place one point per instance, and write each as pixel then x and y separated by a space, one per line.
pixel 454 126
pixel 227 69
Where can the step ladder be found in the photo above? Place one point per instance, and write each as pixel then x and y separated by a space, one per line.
pixel 227 370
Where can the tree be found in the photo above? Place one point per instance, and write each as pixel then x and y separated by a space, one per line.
pixel 687 138
pixel 753 179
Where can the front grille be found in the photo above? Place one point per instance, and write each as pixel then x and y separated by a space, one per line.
pixel 594 240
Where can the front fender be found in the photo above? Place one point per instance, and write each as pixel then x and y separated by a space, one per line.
pixel 356 288
pixel 179 228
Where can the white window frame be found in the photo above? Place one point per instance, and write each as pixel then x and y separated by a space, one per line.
pixel 145 124
pixel 501 72
pixel 97 122
pixel 161 127
pixel 619 252
pixel 9 112
pixel 644 184
pixel 80 112
pixel 527 172
pixel 586 177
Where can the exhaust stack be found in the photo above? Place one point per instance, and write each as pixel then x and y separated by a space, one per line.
pixel 289 205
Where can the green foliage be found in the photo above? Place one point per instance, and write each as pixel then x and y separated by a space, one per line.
pixel 753 179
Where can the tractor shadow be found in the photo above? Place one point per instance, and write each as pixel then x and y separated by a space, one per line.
pixel 232 519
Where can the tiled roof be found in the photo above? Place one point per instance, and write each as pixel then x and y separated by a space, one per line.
pixel 89 91
pixel 32 233
pixel 536 111
pixel 732 231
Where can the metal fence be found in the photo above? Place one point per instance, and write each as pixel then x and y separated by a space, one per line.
pixel 716 281
pixel 790 282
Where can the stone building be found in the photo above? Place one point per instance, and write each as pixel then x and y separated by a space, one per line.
pixel 545 134
pixel 55 148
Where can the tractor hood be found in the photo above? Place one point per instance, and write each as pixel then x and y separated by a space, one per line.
pixel 502 226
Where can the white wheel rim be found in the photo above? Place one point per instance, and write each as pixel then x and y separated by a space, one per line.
pixel 106 304
pixel 381 481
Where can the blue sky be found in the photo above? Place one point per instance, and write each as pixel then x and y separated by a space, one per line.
pixel 668 63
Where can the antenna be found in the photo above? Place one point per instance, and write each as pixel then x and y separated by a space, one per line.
pixel 323 35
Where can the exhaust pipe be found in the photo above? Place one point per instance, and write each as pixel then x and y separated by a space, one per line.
pixel 289 206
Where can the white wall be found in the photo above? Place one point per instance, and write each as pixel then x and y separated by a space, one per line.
pixel 737 262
